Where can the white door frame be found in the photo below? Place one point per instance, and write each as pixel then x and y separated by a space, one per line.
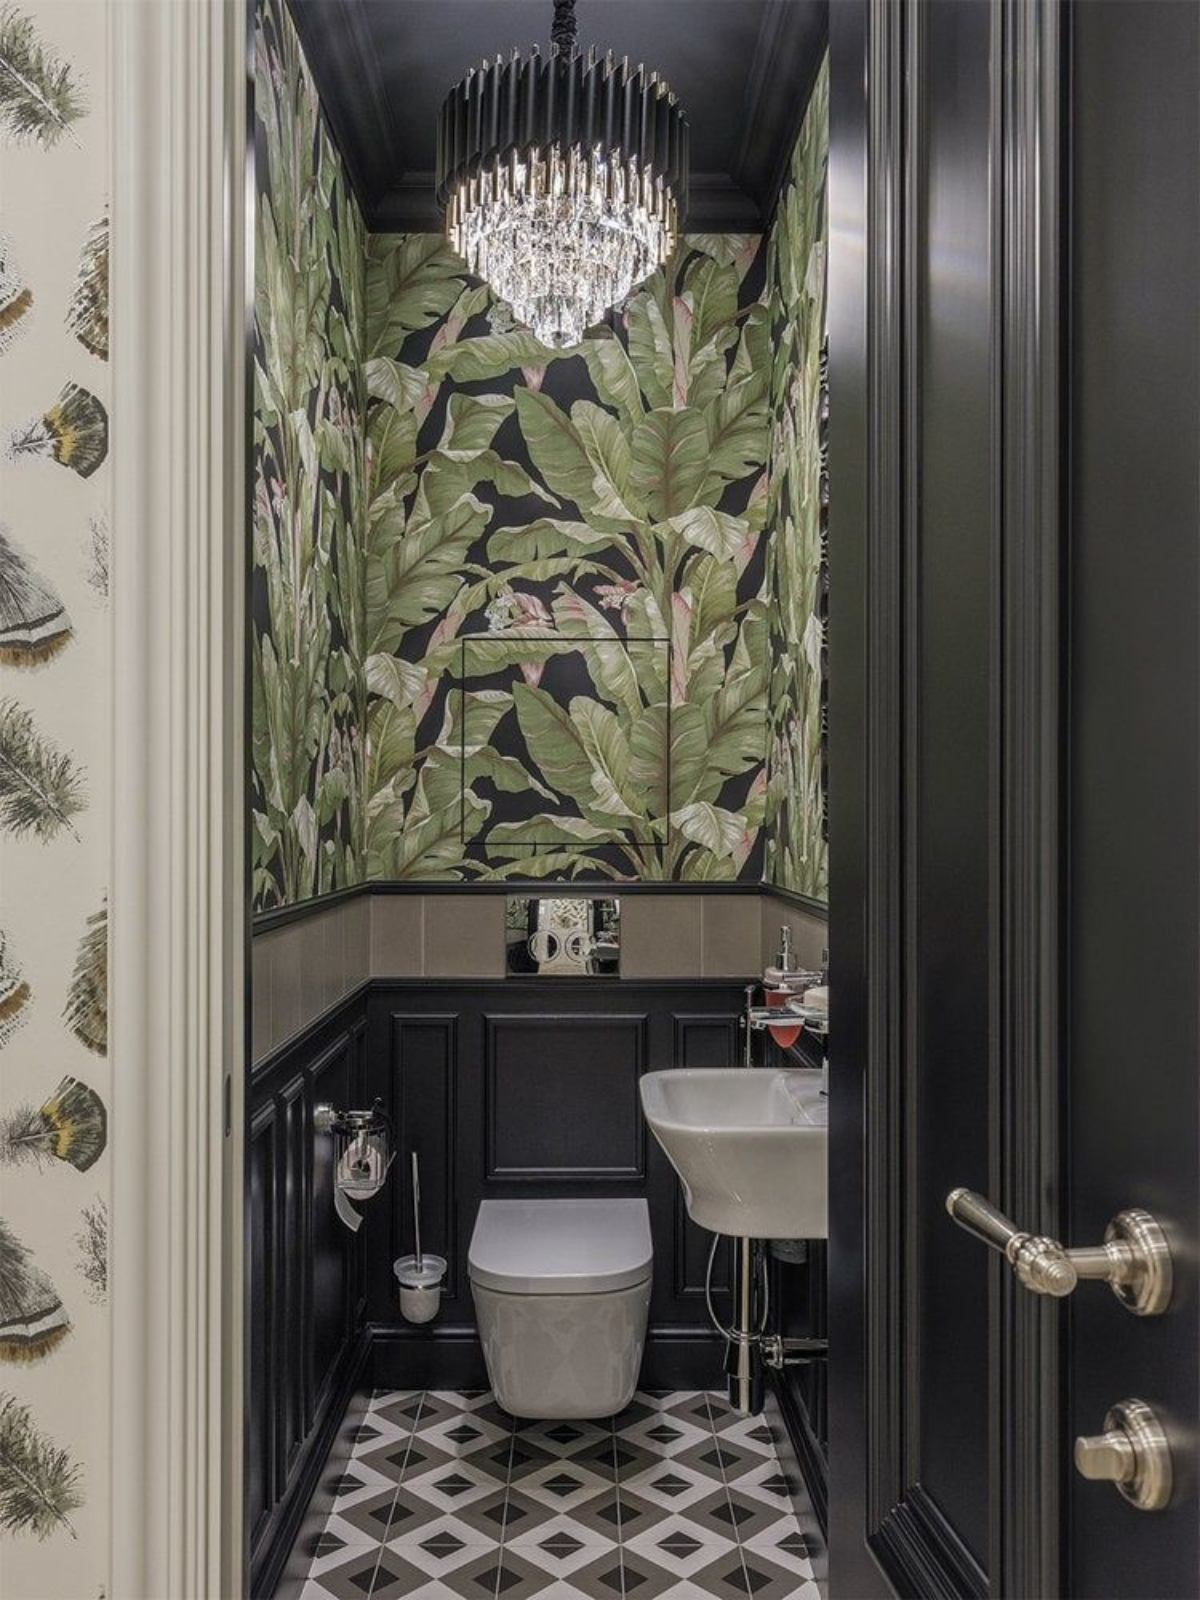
pixel 178 955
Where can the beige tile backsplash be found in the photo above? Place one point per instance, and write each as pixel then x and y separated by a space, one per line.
pixel 810 933
pixel 301 969
pixel 397 935
pixel 661 936
pixel 464 936
pixel 306 966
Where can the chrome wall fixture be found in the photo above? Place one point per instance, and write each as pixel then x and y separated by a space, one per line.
pixel 364 1149
pixel 1134 1260
pixel 563 936
pixel 563 179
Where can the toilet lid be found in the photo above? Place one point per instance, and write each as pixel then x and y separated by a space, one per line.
pixel 560 1246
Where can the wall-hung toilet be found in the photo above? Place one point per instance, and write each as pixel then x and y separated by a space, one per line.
pixel 562 1294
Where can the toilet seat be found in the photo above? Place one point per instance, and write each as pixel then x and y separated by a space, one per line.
pixel 561 1246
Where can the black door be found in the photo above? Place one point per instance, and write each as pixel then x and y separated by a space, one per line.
pixel 1014 341
pixel 1133 1093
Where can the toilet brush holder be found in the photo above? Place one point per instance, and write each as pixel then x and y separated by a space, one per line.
pixel 420 1286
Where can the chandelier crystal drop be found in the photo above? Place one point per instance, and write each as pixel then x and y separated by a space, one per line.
pixel 563 179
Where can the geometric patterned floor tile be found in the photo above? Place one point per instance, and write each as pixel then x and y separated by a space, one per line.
pixel 693 1408
pixel 562 1546
pixel 562 1439
pixel 659 1435
pixel 465 1434
pixel 736 1515
pixel 567 1485
pixel 767 1482
pixel 336 1538
pixel 372 1517
pixel 766 1580
pixel 357 1481
pixel 750 1436
pixel 669 1484
pixel 638 1517
pixel 446 1497
pixel 719 1459
pixel 678 1546
pixel 314 1589
pixel 784 1546
pixel 724 1577
pixel 599 1579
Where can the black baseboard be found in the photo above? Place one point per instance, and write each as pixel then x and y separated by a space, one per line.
pixel 806 1449
pixel 445 1357
pixel 279 1564
pixel 450 1357
pixel 683 1358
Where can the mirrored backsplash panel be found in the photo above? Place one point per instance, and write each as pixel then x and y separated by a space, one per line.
pixel 563 936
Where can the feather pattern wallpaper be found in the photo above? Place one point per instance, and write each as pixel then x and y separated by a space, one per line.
pixel 308 595
pixel 54 782
pixel 797 849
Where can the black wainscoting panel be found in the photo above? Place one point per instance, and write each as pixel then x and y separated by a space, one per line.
pixel 706 1038
pixel 561 1097
pixel 523 1089
pixel 304 1282
pixel 505 1089
pixel 295 1273
pixel 424 1057
pixel 262 1255
pixel 331 1080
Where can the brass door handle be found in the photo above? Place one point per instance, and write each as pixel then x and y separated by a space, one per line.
pixel 1134 1260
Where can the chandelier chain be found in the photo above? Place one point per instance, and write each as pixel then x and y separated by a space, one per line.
pixel 563 29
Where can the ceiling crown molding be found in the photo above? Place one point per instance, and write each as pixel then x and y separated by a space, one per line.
pixel 342 40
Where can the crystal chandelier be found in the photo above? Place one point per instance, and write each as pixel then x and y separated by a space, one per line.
pixel 563 179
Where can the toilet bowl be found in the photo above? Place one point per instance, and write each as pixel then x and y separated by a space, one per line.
pixel 562 1294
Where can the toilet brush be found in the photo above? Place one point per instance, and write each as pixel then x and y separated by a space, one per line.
pixel 416 1172
pixel 419 1276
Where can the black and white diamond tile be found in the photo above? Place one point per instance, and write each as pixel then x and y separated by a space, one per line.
pixel 446 1497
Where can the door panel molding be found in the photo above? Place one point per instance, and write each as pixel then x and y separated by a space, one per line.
pixel 909 1535
pixel 1028 225
pixel 924 1556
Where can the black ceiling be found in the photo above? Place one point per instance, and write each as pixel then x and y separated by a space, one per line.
pixel 742 69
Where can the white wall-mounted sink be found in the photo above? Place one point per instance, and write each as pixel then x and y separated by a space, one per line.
pixel 749 1144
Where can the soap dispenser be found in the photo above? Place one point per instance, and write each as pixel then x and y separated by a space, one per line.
pixel 776 977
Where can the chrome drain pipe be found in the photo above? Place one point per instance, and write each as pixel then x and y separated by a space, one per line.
pixel 743 1352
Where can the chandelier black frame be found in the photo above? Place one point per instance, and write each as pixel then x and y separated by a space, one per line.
pixel 566 122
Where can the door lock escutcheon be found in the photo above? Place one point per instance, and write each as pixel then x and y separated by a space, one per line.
pixel 1132 1452
pixel 1134 1260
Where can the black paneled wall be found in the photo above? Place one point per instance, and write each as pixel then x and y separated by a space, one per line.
pixel 504 1088
pixel 530 1088
pixel 304 1281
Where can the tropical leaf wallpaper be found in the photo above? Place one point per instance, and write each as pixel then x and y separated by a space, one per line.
pixel 308 593
pixel 796 854
pixel 525 612
pixel 55 779
pixel 566 625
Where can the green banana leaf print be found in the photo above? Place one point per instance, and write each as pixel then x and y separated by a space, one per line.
pixel 566 633
pixel 308 583
pixel 796 851
pixel 519 611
